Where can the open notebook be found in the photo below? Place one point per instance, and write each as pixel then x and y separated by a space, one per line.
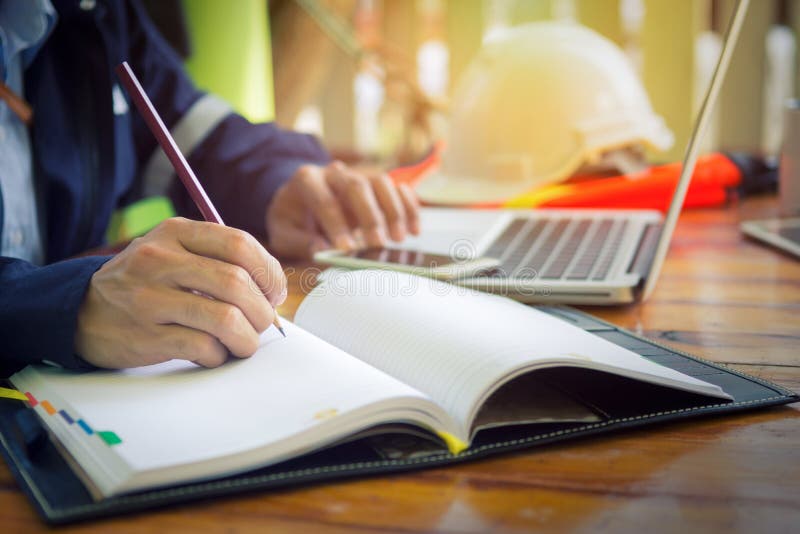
pixel 370 351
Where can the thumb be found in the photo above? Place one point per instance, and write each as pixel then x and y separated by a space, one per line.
pixel 299 243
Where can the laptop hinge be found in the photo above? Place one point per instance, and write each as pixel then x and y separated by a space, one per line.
pixel 645 250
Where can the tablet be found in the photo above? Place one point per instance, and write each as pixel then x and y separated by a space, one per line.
pixel 781 233
pixel 410 261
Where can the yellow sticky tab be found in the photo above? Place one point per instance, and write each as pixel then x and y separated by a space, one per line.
pixel 326 414
pixel 8 393
pixel 454 444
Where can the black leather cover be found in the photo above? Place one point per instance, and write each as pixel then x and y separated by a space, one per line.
pixel 60 497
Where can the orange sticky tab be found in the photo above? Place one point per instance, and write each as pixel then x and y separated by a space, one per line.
pixel 48 407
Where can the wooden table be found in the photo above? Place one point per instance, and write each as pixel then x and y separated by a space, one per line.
pixel 720 296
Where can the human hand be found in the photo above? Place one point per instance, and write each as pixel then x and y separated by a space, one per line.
pixel 189 290
pixel 335 206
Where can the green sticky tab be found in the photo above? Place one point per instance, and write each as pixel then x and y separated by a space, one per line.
pixel 138 219
pixel 109 437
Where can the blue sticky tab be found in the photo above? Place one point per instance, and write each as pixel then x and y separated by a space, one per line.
pixel 66 416
pixel 86 428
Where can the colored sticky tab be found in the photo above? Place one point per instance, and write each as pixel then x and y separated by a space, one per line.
pixel 326 414
pixel 454 445
pixel 86 428
pixel 8 393
pixel 31 399
pixel 48 407
pixel 66 417
pixel 109 437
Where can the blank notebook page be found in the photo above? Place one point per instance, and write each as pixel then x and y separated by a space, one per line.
pixel 453 343
pixel 178 413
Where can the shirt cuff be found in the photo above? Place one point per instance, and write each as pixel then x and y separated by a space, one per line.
pixel 39 311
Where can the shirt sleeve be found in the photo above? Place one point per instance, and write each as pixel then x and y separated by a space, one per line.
pixel 39 311
pixel 240 164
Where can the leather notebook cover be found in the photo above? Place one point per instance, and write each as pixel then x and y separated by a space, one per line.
pixel 60 497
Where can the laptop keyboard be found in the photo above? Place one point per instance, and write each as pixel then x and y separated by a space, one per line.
pixel 557 248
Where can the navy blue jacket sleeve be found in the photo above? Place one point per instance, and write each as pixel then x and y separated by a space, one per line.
pixel 240 164
pixel 39 311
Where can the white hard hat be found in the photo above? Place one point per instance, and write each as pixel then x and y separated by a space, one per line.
pixel 537 103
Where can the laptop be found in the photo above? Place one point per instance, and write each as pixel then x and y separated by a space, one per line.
pixel 572 256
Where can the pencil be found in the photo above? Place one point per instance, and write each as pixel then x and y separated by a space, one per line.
pixel 173 153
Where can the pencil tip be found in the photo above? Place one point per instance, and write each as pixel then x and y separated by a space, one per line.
pixel 280 329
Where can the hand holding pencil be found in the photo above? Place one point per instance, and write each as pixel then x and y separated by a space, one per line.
pixel 150 303
pixel 173 153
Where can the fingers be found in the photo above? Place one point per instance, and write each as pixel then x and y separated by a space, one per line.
pixel 411 205
pixel 137 310
pixel 231 246
pixel 223 321
pixel 322 202
pixel 360 200
pixel 391 204
pixel 176 341
pixel 348 209
pixel 296 242
pixel 227 283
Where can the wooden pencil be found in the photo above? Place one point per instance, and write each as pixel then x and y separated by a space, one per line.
pixel 173 153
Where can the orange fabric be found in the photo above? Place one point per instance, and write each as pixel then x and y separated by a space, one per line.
pixel 412 174
pixel 651 189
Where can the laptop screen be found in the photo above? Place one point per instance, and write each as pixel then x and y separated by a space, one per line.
pixel 693 147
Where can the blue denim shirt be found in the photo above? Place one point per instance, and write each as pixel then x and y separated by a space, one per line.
pixel 24 25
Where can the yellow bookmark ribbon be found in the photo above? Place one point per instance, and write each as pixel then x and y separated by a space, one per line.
pixel 454 444
pixel 8 393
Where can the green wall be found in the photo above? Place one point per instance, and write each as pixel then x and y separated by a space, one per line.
pixel 231 53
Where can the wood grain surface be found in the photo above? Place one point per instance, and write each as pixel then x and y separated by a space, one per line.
pixel 720 296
